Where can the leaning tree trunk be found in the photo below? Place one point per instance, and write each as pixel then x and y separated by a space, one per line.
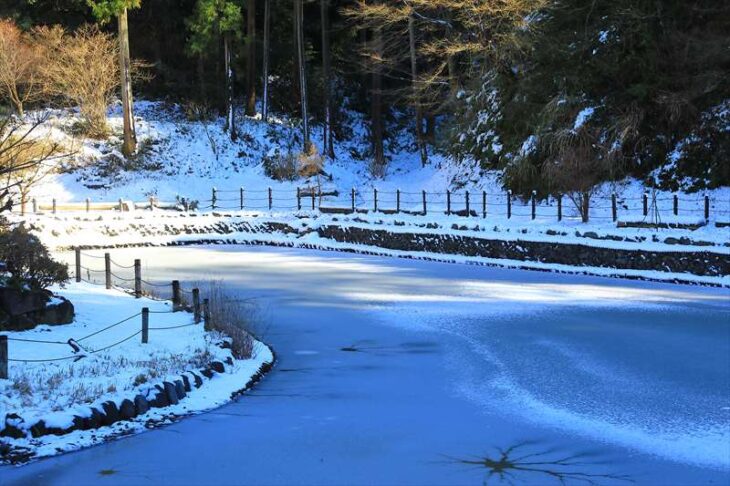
pixel 327 139
pixel 230 117
pixel 377 105
pixel 416 97
pixel 251 59
pixel 265 101
pixel 302 72
pixel 129 144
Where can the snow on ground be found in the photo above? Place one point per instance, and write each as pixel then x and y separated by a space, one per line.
pixel 56 391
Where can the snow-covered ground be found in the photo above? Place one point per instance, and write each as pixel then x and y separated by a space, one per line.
pixel 47 383
pixel 396 371
pixel 182 158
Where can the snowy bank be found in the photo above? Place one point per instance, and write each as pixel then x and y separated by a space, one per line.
pixel 58 400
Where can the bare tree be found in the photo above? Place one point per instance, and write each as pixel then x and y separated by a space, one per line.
pixel 267 21
pixel 251 58
pixel 19 59
pixel 301 62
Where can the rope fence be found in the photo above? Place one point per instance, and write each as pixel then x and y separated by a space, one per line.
pixel 199 308
pixel 461 203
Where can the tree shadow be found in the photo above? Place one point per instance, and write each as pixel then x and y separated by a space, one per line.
pixel 529 462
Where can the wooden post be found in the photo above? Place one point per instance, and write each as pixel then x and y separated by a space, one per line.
pixel 313 206
pixel 466 201
pixel 206 314
pixel 448 202
pixel 186 205
pixel 484 204
pixel 213 198
pixel 240 193
pixel 35 206
pixel 425 207
pixel 77 251
pixel 152 203
pixel 88 204
pixel 560 207
pixel 509 204
pixel 397 200
pixel 614 207
pixel 137 278
pixel 196 305
pixel 54 205
pixel 646 204
pixel 176 296
pixel 375 200
pixel 108 269
pixel 707 207
pixel 586 208
pixel 3 357
pixel 299 199
pixel 675 204
pixel 353 193
pixel 120 205
pixel 145 324
pixel 271 199
pixel 533 202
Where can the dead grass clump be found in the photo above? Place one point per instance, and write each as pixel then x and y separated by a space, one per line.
pixel 230 315
pixel 281 167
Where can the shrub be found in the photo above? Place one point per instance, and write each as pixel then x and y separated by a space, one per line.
pixel 281 167
pixel 231 316
pixel 27 260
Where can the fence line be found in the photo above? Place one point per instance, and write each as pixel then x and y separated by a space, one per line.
pixel 422 203
pixel 200 310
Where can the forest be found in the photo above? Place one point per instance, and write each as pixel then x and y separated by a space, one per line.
pixel 559 95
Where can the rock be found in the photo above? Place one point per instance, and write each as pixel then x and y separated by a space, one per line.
pixel 12 428
pixel 24 309
pixel 127 410
pixel 171 393
pixel 207 372
pixel 95 420
pixel 186 383
pixel 141 405
pixel 80 423
pixel 111 413
pixel 180 389
pixel 60 311
pixel 198 381
pixel 39 429
pixel 218 367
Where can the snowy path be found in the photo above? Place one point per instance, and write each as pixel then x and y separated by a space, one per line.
pixel 442 361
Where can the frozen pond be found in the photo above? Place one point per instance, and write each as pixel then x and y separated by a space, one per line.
pixel 398 371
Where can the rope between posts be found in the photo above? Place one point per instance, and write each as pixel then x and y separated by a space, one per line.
pixel 40 341
pixel 170 327
pixel 122 278
pixel 91 256
pixel 41 360
pixel 122 266
pixel 109 327
pixel 155 285
pixel 116 344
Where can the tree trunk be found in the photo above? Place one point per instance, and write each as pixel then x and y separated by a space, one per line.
pixel 129 144
pixel 416 97
pixel 265 104
pixel 230 116
pixel 327 139
pixel 251 59
pixel 585 206
pixel 302 72
pixel 377 105
pixel 201 79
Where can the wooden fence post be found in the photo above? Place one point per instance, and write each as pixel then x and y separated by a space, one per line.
pixel 375 200
pixel 352 197
pixel 560 207
pixel 213 198
pixel 313 196
pixel 397 200
pixel 533 202
pixel 145 325
pixel 675 204
pixel 614 207
pixel 425 207
pixel 196 305
pixel 271 199
pixel 54 206
pixel 108 270
pixel 137 278
pixel 484 204
pixel 299 199
pixel 35 206
pixel 509 204
pixel 3 357
pixel 152 203
pixel 646 203
pixel 707 207
pixel 206 314
pixel 77 251
pixel 586 208
pixel 176 296
pixel 448 202
pixel 120 205
pixel 466 202
pixel 88 204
